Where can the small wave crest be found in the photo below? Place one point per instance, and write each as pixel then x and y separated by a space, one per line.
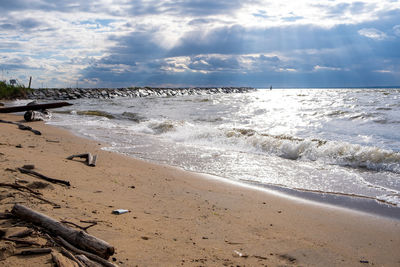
pixel 331 152
pixel 135 117
pixel 162 127
pixel 98 113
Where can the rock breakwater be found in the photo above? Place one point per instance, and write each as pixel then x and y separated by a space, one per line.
pixel 76 93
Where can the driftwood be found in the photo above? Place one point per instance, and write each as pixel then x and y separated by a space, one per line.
pixel 34 107
pixel 79 239
pixel 90 159
pixel 88 262
pixel 84 228
pixel 22 234
pixel 32 192
pixel 5 215
pixel 41 176
pixel 21 241
pixel 34 251
pixel 61 261
pixel 22 127
pixel 32 115
pixel 70 256
pixel 87 254
pixel 19 187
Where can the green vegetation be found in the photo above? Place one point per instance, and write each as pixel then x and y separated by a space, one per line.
pixel 11 92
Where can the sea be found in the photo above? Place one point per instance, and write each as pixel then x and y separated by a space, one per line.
pixel 333 146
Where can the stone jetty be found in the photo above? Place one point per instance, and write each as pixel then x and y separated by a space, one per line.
pixel 76 93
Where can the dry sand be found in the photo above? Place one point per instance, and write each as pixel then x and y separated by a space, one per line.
pixel 181 218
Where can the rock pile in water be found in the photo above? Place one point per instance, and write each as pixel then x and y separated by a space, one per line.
pixel 76 93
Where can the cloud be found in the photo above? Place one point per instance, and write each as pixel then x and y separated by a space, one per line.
pixel 373 33
pixel 120 42
pixel 325 68
pixel 396 30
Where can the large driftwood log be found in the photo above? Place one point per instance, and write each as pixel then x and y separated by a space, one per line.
pixel 79 239
pixel 34 107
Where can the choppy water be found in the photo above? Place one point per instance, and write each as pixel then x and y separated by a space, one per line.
pixel 336 141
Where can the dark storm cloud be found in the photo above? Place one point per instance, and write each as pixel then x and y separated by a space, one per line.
pixel 137 46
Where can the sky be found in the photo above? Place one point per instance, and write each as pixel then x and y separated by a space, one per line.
pixel 181 43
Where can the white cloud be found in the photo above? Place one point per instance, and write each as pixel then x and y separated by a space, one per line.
pixel 318 68
pixel 373 33
pixel 396 30
pixel 383 71
pixel 70 35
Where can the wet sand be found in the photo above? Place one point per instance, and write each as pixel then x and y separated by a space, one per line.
pixel 178 218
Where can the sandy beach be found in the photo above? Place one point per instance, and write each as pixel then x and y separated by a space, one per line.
pixel 178 218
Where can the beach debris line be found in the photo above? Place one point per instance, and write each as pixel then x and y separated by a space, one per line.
pixel 74 238
pixel 90 159
pixel 44 177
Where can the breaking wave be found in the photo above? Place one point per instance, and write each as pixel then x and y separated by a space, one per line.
pixel 331 152
pixel 162 127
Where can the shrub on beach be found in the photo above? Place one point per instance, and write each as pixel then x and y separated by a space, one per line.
pixel 8 91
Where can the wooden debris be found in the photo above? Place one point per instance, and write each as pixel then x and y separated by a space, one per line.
pixel 22 234
pixel 88 262
pixel 34 251
pixel 32 192
pixel 21 241
pixel 90 159
pixel 34 107
pixel 41 115
pixel 87 254
pixel 6 250
pixel 41 176
pixel 19 187
pixel 29 166
pixel 84 228
pixel 61 261
pixel 77 238
pixel 70 256
pixel 5 215
pixel 22 127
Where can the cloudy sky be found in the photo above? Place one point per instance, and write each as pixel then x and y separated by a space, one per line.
pixel 283 43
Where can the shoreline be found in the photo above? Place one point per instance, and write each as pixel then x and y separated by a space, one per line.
pixel 352 203
pixel 183 218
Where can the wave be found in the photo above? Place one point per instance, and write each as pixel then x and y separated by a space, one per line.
pixel 331 152
pixel 135 117
pixel 97 113
pixel 162 127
